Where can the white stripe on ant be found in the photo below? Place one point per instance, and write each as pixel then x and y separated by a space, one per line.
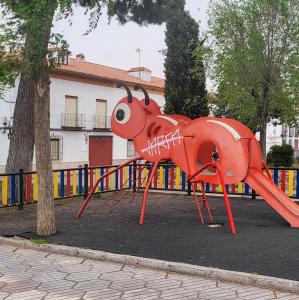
pixel 169 119
pixel 231 130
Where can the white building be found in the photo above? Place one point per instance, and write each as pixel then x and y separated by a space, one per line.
pixel 278 134
pixel 82 97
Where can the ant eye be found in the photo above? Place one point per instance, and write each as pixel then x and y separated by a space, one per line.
pixel 122 113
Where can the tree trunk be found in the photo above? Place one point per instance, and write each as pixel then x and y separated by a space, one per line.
pixel 264 117
pixel 21 145
pixel 263 138
pixel 45 205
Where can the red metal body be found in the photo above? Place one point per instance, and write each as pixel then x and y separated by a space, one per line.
pixel 210 150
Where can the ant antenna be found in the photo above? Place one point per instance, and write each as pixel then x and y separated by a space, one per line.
pixel 146 96
pixel 120 84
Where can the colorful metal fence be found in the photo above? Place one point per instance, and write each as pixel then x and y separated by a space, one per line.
pixel 19 188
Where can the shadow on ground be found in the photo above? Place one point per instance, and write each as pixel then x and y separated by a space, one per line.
pixel 264 242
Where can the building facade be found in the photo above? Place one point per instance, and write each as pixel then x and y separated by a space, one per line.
pixel 82 98
pixel 278 134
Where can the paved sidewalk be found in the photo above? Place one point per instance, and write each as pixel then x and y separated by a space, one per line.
pixel 28 274
pixel 264 244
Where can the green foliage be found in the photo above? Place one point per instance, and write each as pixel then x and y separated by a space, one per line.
pixel 141 12
pixel 27 33
pixel 7 73
pixel 39 241
pixel 185 91
pixel 280 156
pixel 256 51
pixel 27 24
pixel 7 64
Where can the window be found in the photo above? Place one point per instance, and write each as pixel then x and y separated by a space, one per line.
pixel 131 149
pixel 71 111
pixel 55 147
pixel 101 116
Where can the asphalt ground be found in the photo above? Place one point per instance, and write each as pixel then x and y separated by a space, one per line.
pixel 264 243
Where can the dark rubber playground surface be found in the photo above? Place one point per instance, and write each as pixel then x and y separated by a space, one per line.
pixel 264 242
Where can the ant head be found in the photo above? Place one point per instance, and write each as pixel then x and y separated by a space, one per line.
pixel 128 117
pixel 150 106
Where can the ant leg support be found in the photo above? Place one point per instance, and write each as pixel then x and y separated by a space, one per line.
pixel 226 201
pixel 197 203
pixel 267 170
pixel 205 201
pixel 98 181
pixel 148 184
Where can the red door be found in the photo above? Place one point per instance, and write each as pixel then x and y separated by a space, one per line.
pixel 100 150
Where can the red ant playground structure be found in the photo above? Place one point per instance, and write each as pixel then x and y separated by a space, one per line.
pixel 208 149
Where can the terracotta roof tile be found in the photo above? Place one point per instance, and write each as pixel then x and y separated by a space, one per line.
pixel 90 69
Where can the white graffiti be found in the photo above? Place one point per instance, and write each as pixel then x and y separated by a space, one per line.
pixel 164 141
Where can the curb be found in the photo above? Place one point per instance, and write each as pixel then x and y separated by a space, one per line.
pixel 272 283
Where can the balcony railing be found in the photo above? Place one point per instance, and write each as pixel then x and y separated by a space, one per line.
pixel 102 122
pixel 73 120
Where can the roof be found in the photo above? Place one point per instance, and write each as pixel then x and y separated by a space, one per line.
pixel 88 69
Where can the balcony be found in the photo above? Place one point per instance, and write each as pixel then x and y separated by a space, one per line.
pixel 72 121
pixel 102 122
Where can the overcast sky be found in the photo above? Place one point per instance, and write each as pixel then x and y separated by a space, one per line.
pixel 115 45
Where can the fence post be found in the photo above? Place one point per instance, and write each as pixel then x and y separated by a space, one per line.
pixel 134 176
pixel 21 189
pixel 85 181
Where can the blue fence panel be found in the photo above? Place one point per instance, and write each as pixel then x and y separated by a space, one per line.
pixel 183 181
pixel 61 192
pixel 116 179
pixel 275 176
pixel 166 177
pixel 102 172
pixel 12 188
pixel 207 187
pixel 246 189
pixel 80 182
pixel 130 176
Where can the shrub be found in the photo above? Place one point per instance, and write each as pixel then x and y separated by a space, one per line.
pixel 280 156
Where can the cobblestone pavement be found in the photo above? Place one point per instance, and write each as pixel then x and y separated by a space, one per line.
pixel 27 274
